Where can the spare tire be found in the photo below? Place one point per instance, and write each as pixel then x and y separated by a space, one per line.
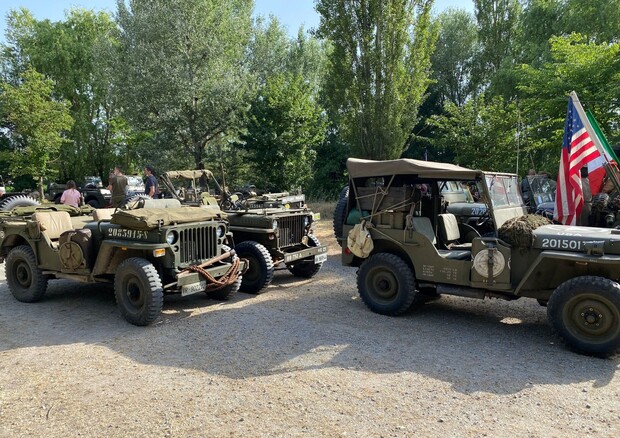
pixel 17 201
pixel 340 214
pixel 133 202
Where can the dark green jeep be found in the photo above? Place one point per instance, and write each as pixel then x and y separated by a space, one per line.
pixel 409 251
pixel 145 253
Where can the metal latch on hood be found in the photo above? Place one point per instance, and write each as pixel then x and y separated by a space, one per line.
pixel 594 247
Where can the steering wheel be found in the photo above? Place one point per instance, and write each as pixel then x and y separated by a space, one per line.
pixel 483 219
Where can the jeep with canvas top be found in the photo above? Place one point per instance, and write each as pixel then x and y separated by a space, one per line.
pixel 269 229
pixel 145 253
pixel 408 251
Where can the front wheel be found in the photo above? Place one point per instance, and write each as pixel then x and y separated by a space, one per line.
pixel 386 285
pixel 138 290
pixel 26 281
pixel 307 268
pixel 585 313
pixel 260 271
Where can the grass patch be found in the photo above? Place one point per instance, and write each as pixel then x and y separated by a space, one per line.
pixel 326 208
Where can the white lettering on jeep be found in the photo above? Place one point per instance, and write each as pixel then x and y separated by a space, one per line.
pixel 127 234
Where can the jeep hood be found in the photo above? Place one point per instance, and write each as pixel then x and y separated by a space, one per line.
pixel 574 239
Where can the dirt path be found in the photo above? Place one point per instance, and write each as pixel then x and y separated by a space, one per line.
pixel 305 358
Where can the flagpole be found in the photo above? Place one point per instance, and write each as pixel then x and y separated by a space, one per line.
pixel 597 142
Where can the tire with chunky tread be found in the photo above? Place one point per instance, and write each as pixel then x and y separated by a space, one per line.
pixel 132 202
pixel 17 201
pixel 228 291
pixel 584 312
pixel 340 213
pixel 138 290
pixel 386 285
pixel 306 268
pixel 261 269
pixel 25 280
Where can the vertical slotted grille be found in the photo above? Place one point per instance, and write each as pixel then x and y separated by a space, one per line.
pixel 197 244
pixel 291 230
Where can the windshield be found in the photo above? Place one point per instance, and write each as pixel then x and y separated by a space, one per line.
pixel 542 188
pixel 135 181
pixel 504 190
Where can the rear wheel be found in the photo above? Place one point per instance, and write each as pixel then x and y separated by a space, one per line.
pixel 260 272
pixel 138 290
pixel 226 292
pixel 307 268
pixel 585 313
pixel 93 203
pixel 386 285
pixel 26 281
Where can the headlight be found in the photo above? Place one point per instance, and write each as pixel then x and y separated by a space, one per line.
pixel 274 224
pixel 221 230
pixel 172 237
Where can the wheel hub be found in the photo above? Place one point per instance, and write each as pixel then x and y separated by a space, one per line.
pixel 22 274
pixel 591 316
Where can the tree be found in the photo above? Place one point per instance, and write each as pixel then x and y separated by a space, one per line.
pixel 453 57
pixel 588 68
pixel 75 54
pixel 378 70
pixel 498 25
pixel 479 134
pixel 182 69
pixel 35 123
pixel 286 126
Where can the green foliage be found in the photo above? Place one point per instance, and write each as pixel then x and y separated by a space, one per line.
pixel 35 122
pixel 378 70
pixel 593 70
pixel 498 27
pixel 480 134
pixel 75 54
pixel 286 126
pixel 182 69
pixel 453 59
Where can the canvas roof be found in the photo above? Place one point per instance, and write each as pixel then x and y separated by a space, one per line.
pixel 188 174
pixel 359 168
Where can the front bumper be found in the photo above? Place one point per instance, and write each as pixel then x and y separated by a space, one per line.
pixel 192 282
pixel 318 252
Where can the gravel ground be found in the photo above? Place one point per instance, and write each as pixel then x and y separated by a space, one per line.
pixel 304 358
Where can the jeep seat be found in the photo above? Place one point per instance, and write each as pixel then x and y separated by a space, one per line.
pixel 52 224
pixel 422 225
pixel 449 232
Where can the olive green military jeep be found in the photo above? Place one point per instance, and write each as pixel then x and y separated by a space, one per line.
pixel 408 251
pixel 270 229
pixel 145 253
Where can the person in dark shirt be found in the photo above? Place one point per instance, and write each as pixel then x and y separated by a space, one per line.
pixel 151 187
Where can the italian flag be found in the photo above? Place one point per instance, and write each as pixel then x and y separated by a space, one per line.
pixel 596 169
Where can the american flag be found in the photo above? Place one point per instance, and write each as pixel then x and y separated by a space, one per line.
pixel 578 150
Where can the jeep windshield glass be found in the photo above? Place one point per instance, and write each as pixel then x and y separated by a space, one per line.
pixel 504 190
pixel 542 188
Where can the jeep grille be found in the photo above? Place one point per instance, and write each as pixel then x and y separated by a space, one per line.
pixel 291 230
pixel 198 244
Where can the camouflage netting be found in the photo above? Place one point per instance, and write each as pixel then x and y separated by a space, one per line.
pixel 519 231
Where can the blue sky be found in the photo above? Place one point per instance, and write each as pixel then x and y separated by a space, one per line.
pixel 292 13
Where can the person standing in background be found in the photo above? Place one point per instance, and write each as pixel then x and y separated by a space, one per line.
pixel 151 187
pixel 71 196
pixel 118 187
